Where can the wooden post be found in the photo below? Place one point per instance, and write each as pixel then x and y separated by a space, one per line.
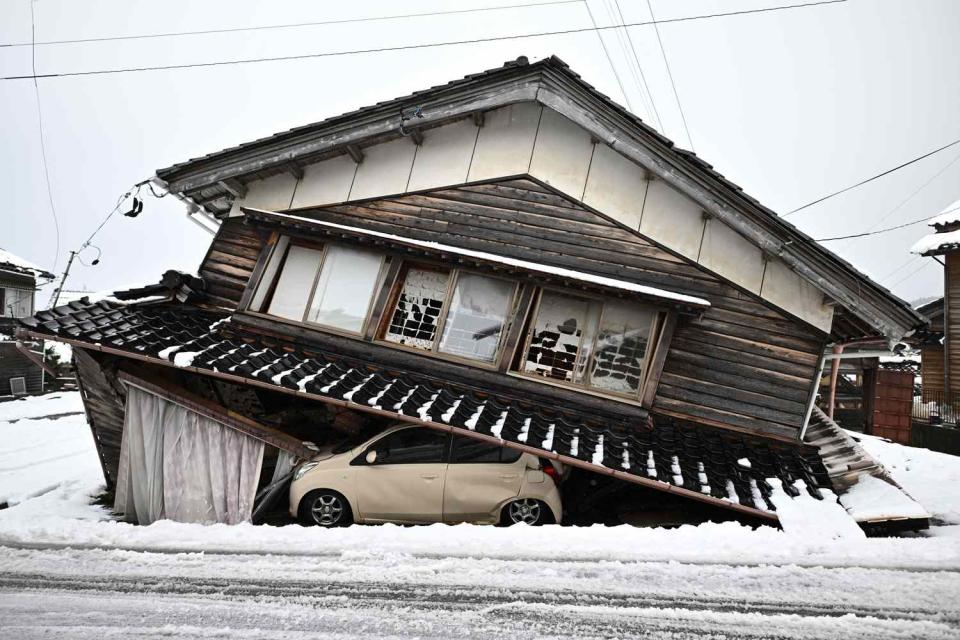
pixel 834 374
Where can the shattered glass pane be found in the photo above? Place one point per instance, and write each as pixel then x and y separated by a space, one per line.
pixel 347 281
pixel 617 363
pixel 556 338
pixel 476 317
pixel 415 317
pixel 293 288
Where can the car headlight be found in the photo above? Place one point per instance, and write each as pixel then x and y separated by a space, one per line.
pixel 302 469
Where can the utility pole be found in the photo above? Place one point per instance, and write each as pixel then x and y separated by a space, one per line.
pixel 53 303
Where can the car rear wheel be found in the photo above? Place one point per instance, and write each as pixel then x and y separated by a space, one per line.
pixel 325 508
pixel 526 511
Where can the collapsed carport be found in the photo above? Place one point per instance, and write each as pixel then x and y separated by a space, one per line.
pixel 215 367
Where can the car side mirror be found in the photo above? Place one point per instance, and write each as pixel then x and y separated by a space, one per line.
pixel 371 456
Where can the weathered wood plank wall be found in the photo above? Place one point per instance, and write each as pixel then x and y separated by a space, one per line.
pixel 742 365
pixel 13 364
pixel 230 260
pixel 952 320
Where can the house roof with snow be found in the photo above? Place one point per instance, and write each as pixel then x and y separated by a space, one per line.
pixel 11 263
pixel 946 235
pixel 694 461
pixel 216 180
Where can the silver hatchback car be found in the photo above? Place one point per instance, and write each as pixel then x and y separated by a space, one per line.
pixel 415 475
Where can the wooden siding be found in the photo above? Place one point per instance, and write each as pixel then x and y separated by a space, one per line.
pixel 13 364
pixel 230 260
pixel 104 405
pixel 951 288
pixel 742 365
pixel 931 371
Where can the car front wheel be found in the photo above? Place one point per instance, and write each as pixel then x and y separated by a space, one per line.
pixel 325 508
pixel 526 511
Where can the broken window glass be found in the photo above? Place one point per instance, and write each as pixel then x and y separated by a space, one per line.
pixel 617 362
pixel 347 282
pixel 477 314
pixel 293 287
pixel 557 335
pixel 416 315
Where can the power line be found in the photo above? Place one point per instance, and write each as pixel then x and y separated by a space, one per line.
pixel 606 53
pixel 914 193
pixel 43 145
pixel 909 260
pixel 917 270
pixel 295 25
pixel 873 233
pixel 673 84
pixel 871 179
pixel 636 59
pixel 428 45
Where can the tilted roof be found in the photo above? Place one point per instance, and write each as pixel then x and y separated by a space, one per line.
pixel 707 464
pixel 869 306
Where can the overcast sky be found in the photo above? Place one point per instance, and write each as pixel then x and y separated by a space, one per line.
pixel 790 105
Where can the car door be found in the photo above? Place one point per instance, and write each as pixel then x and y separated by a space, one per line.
pixel 480 476
pixel 405 482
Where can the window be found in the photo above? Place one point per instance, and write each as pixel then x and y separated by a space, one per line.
pixel 452 312
pixel 469 450
pixel 416 445
pixel 331 285
pixel 3 302
pixel 347 282
pixel 592 343
pixel 416 315
pixel 477 315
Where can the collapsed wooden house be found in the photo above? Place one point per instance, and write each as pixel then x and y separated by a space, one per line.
pixel 512 257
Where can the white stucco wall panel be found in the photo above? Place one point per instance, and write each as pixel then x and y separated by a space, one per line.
pixel 732 256
pixel 616 186
pixel 505 143
pixel 325 182
pixel 787 290
pixel 273 193
pixel 444 157
pixel 561 154
pixel 672 219
pixel 385 169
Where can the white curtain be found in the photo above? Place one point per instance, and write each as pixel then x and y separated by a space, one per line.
pixel 180 465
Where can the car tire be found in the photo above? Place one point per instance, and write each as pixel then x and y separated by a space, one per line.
pixel 526 510
pixel 325 508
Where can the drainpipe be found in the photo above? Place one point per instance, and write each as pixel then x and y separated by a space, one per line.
pixel 836 357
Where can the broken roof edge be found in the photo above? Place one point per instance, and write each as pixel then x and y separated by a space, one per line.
pixel 559 272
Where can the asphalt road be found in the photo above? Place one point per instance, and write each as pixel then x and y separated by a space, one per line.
pixel 94 593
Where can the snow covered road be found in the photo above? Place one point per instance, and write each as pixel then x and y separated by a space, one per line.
pixel 104 593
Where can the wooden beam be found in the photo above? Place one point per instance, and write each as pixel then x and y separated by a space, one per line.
pixel 661 348
pixel 179 395
pixel 234 187
pixel 35 359
pixel 295 170
pixel 355 152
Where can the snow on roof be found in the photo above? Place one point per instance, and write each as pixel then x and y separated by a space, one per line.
pixel 949 215
pixel 873 498
pixel 20 265
pixel 936 242
pixel 513 262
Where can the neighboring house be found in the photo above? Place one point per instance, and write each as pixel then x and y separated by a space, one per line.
pixel 20 371
pixel 941 358
pixel 511 257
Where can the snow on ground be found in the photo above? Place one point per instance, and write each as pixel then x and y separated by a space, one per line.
pixel 67 569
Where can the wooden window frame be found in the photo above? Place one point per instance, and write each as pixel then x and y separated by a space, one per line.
pixel 267 255
pixel 454 277
pixel 653 358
